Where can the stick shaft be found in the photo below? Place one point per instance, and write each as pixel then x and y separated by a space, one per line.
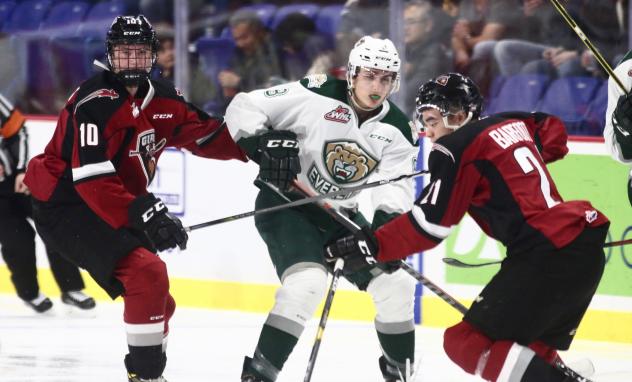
pixel 352 226
pixel 300 202
pixel 323 319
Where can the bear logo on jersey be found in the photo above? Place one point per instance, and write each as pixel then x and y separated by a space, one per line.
pixel 340 114
pixel 347 162
pixel 146 149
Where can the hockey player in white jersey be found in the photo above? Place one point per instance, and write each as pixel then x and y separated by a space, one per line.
pixel 330 134
pixel 618 130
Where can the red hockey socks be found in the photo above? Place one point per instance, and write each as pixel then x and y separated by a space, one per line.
pixel 148 307
pixel 500 360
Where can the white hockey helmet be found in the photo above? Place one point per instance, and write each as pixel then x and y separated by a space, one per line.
pixel 373 53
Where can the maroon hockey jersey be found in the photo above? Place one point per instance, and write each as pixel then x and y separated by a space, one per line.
pixel 107 143
pixel 494 169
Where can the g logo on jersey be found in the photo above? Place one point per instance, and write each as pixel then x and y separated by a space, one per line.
pixel 347 162
pixel 146 149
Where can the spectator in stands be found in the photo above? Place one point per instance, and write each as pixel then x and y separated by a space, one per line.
pixel 201 88
pixel 358 18
pixel 426 57
pixel 550 46
pixel 299 45
pixel 166 60
pixel 255 62
pixel 481 23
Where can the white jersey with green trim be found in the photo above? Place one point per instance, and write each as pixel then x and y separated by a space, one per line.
pixel 624 72
pixel 334 151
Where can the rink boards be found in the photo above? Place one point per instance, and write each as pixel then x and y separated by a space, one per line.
pixel 227 267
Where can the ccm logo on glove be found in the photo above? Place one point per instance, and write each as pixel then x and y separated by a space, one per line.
pixel 286 143
pixel 147 215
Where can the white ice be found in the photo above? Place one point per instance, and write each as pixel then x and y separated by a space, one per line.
pixel 207 345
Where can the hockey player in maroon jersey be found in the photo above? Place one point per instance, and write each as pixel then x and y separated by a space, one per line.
pixel 494 169
pixel 90 185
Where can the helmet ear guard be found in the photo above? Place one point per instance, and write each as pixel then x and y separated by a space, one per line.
pixel 449 94
pixel 131 30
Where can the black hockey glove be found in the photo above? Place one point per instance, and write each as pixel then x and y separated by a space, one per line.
pixel 622 123
pixel 358 250
pixel 148 213
pixel 277 155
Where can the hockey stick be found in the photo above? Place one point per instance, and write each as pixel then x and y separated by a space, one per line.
pixel 460 264
pixel 301 202
pixel 330 294
pixel 604 64
pixel 323 319
pixel 353 227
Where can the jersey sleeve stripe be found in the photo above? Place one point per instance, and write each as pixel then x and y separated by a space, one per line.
pixel 92 170
pixel 205 140
pixel 438 231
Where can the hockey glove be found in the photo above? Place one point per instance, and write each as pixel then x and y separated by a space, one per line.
pixel 277 154
pixel 622 123
pixel 148 213
pixel 358 250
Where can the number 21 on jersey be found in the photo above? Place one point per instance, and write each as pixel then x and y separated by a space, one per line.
pixel 528 162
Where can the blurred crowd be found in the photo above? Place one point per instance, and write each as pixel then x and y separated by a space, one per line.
pixel 243 45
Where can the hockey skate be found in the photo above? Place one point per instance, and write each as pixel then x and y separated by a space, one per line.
pixel 247 374
pixel 78 299
pixel 390 372
pixel 40 303
pixel 134 378
pixel 571 375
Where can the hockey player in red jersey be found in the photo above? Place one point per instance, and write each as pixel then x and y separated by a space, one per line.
pixel 494 169
pixel 90 185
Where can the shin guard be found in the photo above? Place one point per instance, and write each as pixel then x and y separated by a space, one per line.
pixel 148 307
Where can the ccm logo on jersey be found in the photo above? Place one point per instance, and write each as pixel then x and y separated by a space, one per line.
pixel 380 138
pixel 287 143
pixel 340 114
pixel 162 116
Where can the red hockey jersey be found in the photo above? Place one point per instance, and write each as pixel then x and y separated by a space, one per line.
pixel 107 143
pixel 494 169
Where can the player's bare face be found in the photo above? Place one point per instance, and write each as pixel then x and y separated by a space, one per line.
pixel 131 57
pixel 372 86
pixel 433 124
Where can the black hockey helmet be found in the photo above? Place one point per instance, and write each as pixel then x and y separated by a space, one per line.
pixel 131 30
pixel 449 94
